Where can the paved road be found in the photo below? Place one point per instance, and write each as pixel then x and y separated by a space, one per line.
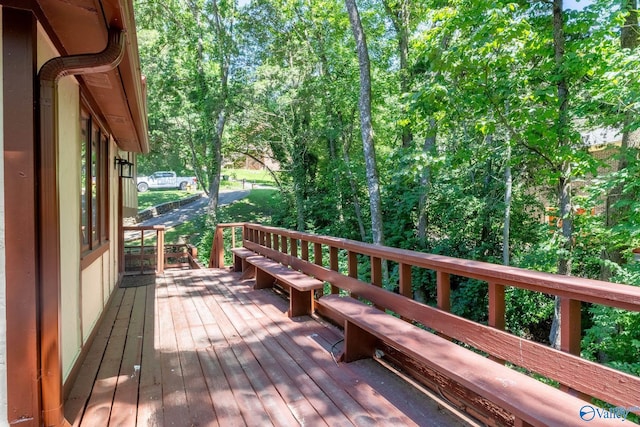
pixel 199 207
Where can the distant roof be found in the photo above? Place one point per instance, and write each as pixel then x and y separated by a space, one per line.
pixel 600 136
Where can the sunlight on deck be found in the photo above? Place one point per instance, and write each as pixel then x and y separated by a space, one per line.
pixel 201 347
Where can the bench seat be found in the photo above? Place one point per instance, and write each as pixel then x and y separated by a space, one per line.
pixel 529 400
pixel 239 257
pixel 301 286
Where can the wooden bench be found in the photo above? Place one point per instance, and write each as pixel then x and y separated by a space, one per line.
pixel 529 400
pixel 300 286
pixel 239 258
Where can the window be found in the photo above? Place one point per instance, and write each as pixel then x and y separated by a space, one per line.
pixel 94 184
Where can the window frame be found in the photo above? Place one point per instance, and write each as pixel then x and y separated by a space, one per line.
pixel 94 185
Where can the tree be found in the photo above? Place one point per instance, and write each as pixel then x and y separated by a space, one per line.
pixel 366 126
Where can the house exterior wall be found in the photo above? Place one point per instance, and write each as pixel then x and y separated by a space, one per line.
pixel 129 190
pixel 85 287
pixel 3 278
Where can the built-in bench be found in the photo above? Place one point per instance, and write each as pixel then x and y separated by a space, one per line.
pixel 301 287
pixel 240 256
pixel 529 400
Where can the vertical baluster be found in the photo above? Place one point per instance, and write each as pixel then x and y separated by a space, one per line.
pixel 317 253
pixel 160 248
pixel 333 264
pixel 283 244
pixel 570 326
pixel 496 306
pixel 317 259
pixel 353 264
pixel 444 290
pixel 496 310
pixel 276 242
pixel 142 251
pixel 233 237
pixel 376 275
pixel 405 280
pixel 571 333
pixel 294 247
pixel 305 250
pixel 376 271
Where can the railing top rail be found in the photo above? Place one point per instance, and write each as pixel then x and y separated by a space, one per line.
pixel 586 290
pixel 143 227
pixel 232 224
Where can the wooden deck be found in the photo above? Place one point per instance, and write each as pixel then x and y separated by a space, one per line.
pixel 202 348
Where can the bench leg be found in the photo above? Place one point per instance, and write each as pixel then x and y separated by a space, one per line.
pixel 358 343
pixel 248 270
pixel 263 280
pixel 238 263
pixel 300 302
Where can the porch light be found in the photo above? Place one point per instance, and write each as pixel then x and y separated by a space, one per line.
pixel 124 166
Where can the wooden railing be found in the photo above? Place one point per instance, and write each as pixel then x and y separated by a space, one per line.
pixel 145 251
pixel 235 234
pixel 308 253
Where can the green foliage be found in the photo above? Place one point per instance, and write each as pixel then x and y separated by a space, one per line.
pixel 479 95
pixel 259 206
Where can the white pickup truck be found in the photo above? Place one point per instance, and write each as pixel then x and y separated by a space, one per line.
pixel 165 179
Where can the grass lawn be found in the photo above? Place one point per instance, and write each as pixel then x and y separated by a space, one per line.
pixel 258 206
pixel 235 177
pixel 157 197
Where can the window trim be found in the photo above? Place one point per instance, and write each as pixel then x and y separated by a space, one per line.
pixel 94 208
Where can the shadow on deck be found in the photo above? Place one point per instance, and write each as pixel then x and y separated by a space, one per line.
pixel 201 347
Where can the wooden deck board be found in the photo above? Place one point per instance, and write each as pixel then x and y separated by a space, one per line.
pixel 201 347
pixel 76 401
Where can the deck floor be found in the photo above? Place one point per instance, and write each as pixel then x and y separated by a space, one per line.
pixel 202 348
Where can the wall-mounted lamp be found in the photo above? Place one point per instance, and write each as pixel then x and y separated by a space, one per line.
pixel 124 166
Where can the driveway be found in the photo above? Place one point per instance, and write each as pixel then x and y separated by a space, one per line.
pixel 199 207
pixel 186 212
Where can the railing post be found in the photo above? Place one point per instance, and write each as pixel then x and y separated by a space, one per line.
pixel 333 264
pixel 160 250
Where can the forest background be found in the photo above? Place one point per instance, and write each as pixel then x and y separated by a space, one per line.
pixel 472 144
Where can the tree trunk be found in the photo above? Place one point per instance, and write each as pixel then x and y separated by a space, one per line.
pixel 506 227
pixel 399 15
pixel 354 192
pixel 216 165
pixel 425 183
pixel 366 124
pixel 564 182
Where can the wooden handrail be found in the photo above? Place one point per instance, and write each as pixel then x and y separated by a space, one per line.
pixel 564 366
pixel 216 257
pixel 159 246
pixel 585 290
